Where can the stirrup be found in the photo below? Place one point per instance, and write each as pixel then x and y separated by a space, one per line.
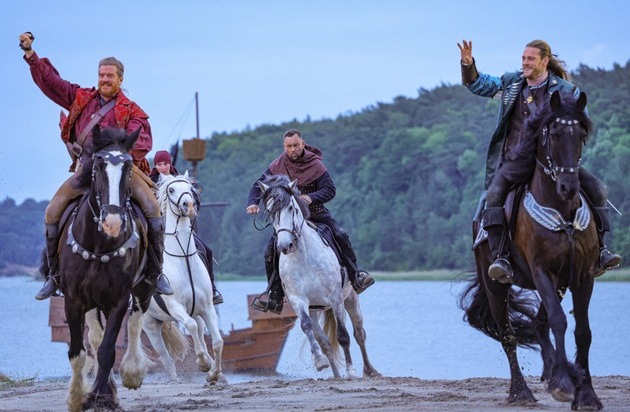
pixel 162 285
pixel 607 260
pixel 268 306
pixel 217 298
pixel 501 271
pixel 363 281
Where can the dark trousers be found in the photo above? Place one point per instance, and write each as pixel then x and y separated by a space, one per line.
pixel 206 257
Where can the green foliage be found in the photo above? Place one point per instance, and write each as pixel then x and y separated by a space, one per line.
pixel 408 176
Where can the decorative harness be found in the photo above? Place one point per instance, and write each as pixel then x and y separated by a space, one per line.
pixel 133 239
pixel 550 218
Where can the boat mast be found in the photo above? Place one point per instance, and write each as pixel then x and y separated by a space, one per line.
pixel 195 148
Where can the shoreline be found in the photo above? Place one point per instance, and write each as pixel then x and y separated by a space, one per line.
pixel 374 394
pixel 614 275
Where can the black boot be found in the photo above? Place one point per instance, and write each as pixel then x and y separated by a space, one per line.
pixel 205 253
pixel 52 277
pixel 494 223
pixel 274 304
pixel 607 259
pixel 276 293
pixel 153 272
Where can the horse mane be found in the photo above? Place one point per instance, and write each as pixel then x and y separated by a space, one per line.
pixel 109 138
pixel 526 147
pixel 163 183
pixel 280 191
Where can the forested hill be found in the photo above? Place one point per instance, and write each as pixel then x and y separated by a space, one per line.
pixel 408 176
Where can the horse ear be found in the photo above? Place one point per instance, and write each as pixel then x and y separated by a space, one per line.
pixel 130 139
pixel 555 100
pixel 96 132
pixel 581 101
pixel 293 184
pixel 186 174
pixel 263 186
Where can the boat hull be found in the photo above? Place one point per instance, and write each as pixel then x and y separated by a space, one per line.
pixel 256 349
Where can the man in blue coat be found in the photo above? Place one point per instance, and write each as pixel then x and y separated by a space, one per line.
pixel 520 94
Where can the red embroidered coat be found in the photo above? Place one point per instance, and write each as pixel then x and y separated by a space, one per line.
pixel 82 103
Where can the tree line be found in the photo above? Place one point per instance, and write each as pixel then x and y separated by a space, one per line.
pixel 408 176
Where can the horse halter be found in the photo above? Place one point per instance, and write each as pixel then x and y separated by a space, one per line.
pixel 551 169
pixel 113 159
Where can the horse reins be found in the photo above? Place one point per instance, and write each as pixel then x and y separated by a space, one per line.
pixel 550 169
pixel 179 213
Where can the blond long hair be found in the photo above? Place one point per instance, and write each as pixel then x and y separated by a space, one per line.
pixel 556 66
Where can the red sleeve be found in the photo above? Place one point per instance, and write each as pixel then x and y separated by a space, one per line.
pixel 49 81
pixel 144 144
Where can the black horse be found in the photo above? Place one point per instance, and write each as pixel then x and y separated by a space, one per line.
pixel 554 248
pixel 101 258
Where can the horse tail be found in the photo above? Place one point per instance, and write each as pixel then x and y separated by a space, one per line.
pixel 473 300
pixel 176 343
pixel 330 329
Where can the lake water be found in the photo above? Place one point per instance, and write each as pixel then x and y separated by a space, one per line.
pixel 414 329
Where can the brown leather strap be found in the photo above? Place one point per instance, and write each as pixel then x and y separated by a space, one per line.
pixel 77 145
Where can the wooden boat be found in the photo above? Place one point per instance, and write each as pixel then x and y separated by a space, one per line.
pixel 255 349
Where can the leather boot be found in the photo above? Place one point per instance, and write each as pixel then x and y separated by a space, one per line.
pixel 52 278
pixel 362 280
pixel 494 223
pixel 273 305
pixel 276 293
pixel 607 259
pixel 205 253
pixel 153 272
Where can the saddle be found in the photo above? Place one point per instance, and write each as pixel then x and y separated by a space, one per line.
pixel 514 201
pixel 327 236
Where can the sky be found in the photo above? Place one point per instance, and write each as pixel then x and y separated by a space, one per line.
pixel 267 62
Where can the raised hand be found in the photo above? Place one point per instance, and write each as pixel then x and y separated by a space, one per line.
pixel 466 52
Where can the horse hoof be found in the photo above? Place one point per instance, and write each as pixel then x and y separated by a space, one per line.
pixel 204 365
pixel 371 373
pixel 321 365
pixel 561 396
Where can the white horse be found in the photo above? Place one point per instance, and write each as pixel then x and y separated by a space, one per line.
pixel 191 304
pixel 311 277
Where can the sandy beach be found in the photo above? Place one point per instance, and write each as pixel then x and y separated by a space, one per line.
pixel 374 394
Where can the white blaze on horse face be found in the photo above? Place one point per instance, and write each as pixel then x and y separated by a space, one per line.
pixel 113 222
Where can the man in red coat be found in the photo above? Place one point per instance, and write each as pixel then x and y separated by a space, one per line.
pixel 110 108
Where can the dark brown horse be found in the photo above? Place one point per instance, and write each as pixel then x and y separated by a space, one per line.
pixel 101 257
pixel 554 248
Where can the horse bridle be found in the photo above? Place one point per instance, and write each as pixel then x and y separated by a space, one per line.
pixel 551 169
pixel 293 231
pixel 114 159
pixel 179 213
pixel 172 203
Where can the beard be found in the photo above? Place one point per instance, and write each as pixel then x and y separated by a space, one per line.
pixel 107 90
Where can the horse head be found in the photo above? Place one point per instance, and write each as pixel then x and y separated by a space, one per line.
pixel 286 210
pixel 111 177
pixel 178 195
pixel 563 127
